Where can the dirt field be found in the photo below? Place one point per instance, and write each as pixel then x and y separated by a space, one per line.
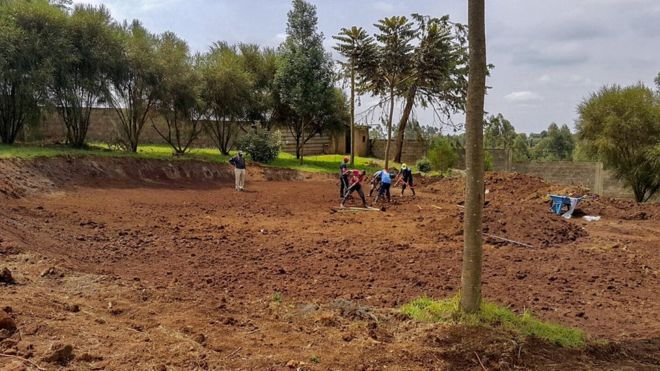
pixel 149 265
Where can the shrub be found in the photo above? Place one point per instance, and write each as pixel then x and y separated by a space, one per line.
pixel 488 161
pixel 424 165
pixel 442 154
pixel 261 145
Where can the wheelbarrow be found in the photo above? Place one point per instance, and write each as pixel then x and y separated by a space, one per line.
pixel 558 203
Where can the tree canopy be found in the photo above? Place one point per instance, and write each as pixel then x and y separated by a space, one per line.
pixel 621 125
pixel 305 80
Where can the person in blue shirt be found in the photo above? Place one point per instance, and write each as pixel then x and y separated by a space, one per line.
pixel 375 182
pixel 343 177
pixel 385 184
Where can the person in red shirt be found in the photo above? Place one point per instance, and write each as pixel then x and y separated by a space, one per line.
pixel 356 177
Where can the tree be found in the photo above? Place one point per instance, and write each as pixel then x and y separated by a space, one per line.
pixel 438 73
pixel 442 154
pixel 498 132
pixel 29 34
pixel 84 68
pixel 520 148
pixel 261 64
pixel 622 126
pixel 179 100
pixel 304 79
pixel 357 47
pixel 657 82
pixel 226 93
pixel 393 65
pixel 556 144
pixel 135 82
pixel 474 160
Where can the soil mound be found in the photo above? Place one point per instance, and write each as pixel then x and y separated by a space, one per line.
pixel 19 177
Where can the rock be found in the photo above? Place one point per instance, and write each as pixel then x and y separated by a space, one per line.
pixel 200 339
pixel 73 308
pixel 292 364
pixel 52 272
pixel 7 326
pixel 6 277
pixel 60 355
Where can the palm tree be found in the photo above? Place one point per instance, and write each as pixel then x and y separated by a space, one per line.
pixel 474 159
pixel 438 75
pixel 393 64
pixel 357 47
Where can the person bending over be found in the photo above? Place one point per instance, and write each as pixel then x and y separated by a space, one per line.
pixel 375 182
pixel 356 177
pixel 407 179
pixel 343 178
pixel 385 184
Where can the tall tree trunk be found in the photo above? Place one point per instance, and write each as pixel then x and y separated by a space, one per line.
pixel 302 142
pixel 352 115
pixel 474 160
pixel 401 133
pixel 389 129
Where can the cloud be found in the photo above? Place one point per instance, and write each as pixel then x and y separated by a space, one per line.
pixel 523 97
pixel 383 6
pixel 552 56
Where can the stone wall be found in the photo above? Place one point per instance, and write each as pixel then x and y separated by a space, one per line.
pixel 590 175
pixel 413 150
pixel 105 126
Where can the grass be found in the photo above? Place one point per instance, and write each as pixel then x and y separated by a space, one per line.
pixel 314 164
pixel 491 315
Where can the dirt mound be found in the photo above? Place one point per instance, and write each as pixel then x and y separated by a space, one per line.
pixel 514 210
pixel 20 177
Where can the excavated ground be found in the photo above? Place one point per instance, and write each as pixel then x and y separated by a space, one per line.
pixel 156 265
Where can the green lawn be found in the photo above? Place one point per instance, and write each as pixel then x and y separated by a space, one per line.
pixel 315 164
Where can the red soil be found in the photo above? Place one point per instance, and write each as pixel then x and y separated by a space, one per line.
pixel 145 264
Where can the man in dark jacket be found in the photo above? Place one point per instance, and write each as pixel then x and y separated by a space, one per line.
pixel 343 177
pixel 239 170
pixel 407 179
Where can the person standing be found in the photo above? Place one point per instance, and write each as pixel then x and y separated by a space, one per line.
pixel 407 178
pixel 239 170
pixel 343 177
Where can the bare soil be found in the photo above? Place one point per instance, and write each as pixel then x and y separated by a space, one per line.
pixel 139 264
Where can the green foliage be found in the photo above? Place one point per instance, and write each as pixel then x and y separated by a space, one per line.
pixel 179 95
pixel 277 297
pixel 304 79
pixel 84 67
pixel 227 87
pixel 488 161
pixel 556 144
pixel 622 127
pixel 442 154
pixel 498 132
pixel 520 149
pixel 491 315
pixel 135 81
pixel 30 35
pixel 261 145
pixel 424 165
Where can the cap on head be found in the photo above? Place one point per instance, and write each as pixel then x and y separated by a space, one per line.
pixel 346 159
pixel 240 153
pixel 404 166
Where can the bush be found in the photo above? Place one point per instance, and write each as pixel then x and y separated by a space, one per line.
pixel 488 161
pixel 261 145
pixel 442 154
pixel 424 165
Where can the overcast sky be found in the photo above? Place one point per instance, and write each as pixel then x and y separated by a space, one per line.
pixel 548 55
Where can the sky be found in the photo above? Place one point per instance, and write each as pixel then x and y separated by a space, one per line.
pixel 548 55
